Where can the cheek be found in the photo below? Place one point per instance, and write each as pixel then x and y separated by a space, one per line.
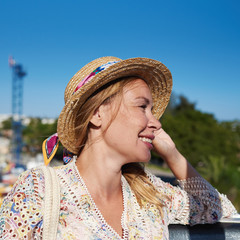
pixel 141 120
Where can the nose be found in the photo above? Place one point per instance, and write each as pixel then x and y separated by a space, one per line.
pixel 154 124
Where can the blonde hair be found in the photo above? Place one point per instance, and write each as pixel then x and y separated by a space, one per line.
pixel 134 173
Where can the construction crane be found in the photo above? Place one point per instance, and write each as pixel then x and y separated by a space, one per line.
pixel 17 106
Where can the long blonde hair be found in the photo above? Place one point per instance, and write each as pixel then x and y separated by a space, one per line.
pixel 134 173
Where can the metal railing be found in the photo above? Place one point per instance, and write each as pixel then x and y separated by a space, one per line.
pixel 226 229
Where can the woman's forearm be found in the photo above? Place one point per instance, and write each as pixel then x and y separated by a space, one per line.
pixel 180 167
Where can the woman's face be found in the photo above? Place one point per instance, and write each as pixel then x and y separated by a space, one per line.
pixel 131 132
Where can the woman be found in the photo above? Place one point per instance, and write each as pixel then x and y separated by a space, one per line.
pixel 109 122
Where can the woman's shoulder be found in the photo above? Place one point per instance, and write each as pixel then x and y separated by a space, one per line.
pixel 67 174
pixel 30 174
pixel 63 170
pixel 156 181
pixel 21 210
pixel 164 187
pixel 29 184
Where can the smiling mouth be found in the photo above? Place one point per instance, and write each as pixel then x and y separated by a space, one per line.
pixel 148 140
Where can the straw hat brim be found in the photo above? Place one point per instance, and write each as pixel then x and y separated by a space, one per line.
pixel 156 74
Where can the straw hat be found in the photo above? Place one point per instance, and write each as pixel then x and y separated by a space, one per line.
pixel 102 71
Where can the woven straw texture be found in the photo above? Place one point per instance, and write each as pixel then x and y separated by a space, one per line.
pixel 155 73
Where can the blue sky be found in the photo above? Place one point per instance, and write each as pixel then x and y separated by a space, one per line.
pixel 199 41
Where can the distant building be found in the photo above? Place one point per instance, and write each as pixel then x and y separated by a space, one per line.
pixel 26 120
pixel 4 145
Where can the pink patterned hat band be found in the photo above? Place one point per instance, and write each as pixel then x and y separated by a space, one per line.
pixel 93 73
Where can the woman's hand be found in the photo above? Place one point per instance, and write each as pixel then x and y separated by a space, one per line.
pixel 165 147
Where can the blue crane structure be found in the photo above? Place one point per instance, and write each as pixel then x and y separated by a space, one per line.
pixel 17 106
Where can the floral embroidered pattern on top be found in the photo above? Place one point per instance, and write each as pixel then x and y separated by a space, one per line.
pixel 21 211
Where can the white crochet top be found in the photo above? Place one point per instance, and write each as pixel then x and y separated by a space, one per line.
pixel 195 201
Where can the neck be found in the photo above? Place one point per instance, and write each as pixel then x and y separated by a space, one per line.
pixel 100 171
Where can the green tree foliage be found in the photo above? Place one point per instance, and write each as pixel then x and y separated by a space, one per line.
pixel 199 135
pixel 36 132
pixel 7 124
pixel 212 147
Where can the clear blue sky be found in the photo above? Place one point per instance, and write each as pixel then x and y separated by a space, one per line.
pixel 199 41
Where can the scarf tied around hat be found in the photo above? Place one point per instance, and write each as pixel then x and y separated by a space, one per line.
pixel 49 149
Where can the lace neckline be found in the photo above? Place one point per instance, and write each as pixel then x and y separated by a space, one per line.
pixel 98 212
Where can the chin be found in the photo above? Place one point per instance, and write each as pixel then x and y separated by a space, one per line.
pixel 145 159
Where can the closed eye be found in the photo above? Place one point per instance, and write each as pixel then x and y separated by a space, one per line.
pixel 143 106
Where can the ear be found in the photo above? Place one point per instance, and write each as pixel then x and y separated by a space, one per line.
pixel 96 119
